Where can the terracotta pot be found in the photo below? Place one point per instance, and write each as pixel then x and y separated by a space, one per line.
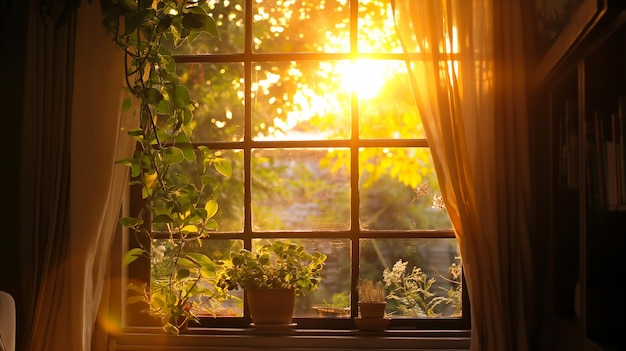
pixel 271 306
pixel 372 309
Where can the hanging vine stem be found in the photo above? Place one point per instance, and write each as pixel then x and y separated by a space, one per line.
pixel 172 203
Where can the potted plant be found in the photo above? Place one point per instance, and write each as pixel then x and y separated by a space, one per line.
pixel 338 307
pixel 272 275
pixel 178 205
pixel 372 303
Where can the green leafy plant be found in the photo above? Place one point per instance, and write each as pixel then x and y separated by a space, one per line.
pixel 273 265
pixel 179 205
pixel 339 300
pixel 175 300
pixel 371 292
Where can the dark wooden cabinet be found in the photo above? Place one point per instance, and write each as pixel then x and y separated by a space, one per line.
pixel 579 104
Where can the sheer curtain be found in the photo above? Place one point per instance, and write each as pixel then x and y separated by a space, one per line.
pixel 466 60
pixel 74 85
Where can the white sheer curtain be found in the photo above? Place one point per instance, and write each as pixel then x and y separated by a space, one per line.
pixel 467 67
pixel 67 306
pixel 99 138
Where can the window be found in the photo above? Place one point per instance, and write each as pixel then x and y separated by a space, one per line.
pixel 310 101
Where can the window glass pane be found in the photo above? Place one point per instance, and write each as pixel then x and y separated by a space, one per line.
pixel 301 26
pixel 422 276
pixel 377 31
pixel 300 100
pixel 229 17
pixel 162 261
pixel 398 190
pixel 228 193
pixel 300 190
pixel 386 104
pixel 218 89
pixel 332 299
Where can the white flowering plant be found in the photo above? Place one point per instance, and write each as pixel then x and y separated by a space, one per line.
pixel 412 291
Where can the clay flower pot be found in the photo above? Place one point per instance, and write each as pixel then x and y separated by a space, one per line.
pixel 271 306
pixel 370 310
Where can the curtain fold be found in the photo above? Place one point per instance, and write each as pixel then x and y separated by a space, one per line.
pixel 466 63
pixel 44 176
pixel 73 134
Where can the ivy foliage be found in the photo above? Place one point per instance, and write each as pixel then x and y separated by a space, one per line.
pixel 181 204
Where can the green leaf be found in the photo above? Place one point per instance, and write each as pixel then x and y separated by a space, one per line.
pixel 211 224
pixel 194 21
pixel 189 229
pixel 183 262
pixel 163 135
pixel 127 103
pixel 183 142
pixel 211 208
pixel 210 181
pixel 135 132
pixel 211 27
pixel 171 328
pixel 208 24
pixel 223 167
pixel 164 107
pixel 173 155
pixel 125 162
pixel 152 96
pixel 131 256
pixel 161 219
pixel 188 151
pixel 197 20
pixel 137 20
pixel 129 222
pixel 135 170
pixel 180 96
pixel 203 260
pixel 164 24
pixel 182 274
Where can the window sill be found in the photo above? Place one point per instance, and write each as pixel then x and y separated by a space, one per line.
pixel 136 339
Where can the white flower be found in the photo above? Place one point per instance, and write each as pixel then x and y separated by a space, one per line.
pixel 396 273
pixel 438 202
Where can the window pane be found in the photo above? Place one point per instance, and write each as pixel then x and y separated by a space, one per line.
pixel 377 30
pixel 422 276
pixel 229 17
pixel 386 104
pixel 218 88
pixel 228 193
pixel 300 190
pixel 399 190
pixel 162 260
pixel 301 26
pixel 332 299
pixel 300 100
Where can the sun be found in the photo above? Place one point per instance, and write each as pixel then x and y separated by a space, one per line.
pixel 364 77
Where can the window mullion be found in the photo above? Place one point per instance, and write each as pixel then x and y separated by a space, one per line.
pixel 247 142
pixel 354 166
